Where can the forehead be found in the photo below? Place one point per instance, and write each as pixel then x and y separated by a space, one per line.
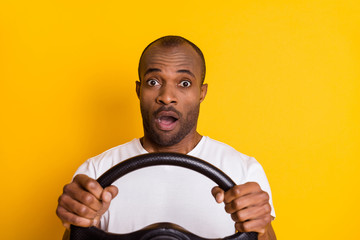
pixel 175 58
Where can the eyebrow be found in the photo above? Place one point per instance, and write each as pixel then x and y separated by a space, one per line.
pixel 186 71
pixel 150 70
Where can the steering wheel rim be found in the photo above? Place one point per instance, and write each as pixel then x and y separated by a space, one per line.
pixel 155 159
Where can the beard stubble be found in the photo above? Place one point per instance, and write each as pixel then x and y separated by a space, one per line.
pixel 169 138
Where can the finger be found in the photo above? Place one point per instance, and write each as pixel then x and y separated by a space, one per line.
pixel 70 218
pixel 74 191
pixel 67 225
pixel 256 225
pixel 76 207
pixel 218 194
pixel 251 213
pixel 113 190
pixel 108 194
pixel 89 185
pixel 96 222
pixel 241 190
pixel 250 200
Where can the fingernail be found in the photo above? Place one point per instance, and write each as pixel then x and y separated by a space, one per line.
pixel 107 197
pixel 218 197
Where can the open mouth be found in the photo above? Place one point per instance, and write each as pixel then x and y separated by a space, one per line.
pixel 167 121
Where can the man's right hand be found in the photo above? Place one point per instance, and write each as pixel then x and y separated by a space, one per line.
pixel 84 201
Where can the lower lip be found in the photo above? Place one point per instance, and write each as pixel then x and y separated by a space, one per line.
pixel 165 126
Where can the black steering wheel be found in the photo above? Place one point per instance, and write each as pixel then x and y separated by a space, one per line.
pixel 159 231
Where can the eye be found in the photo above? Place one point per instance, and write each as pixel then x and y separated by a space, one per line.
pixel 185 84
pixel 152 82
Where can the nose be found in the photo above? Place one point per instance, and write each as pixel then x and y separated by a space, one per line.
pixel 167 95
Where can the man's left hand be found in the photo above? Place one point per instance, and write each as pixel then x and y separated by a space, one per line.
pixel 249 207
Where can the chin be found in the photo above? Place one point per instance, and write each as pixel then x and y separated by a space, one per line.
pixel 166 139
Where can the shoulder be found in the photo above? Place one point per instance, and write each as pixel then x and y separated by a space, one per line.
pixel 122 150
pixel 211 147
pixel 97 165
pixel 217 146
pixel 234 163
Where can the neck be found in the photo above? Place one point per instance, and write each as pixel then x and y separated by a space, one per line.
pixel 187 144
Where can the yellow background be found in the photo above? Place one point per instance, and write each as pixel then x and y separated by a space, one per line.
pixel 283 87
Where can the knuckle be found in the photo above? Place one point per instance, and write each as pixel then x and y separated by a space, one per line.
pixel 246 227
pixel 60 199
pixel 267 208
pixel 237 190
pixel 58 212
pixel 267 219
pixel 88 199
pixel 63 199
pixel 75 220
pixel 89 183
pixel 227 208
pixel 77 178
pixel 241 217
pixel 234 217
pixel 82 211
pixel 66 188
pixel 235 205
pixel 253 184
pixel 265 196
pixel 61 213
pixel 262 231
pixel 239 227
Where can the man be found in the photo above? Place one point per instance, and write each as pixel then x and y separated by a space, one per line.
pixel 170 90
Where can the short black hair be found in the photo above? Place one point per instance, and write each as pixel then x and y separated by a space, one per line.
pixel 171 41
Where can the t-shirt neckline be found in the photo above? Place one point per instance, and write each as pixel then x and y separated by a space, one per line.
pixel 196 149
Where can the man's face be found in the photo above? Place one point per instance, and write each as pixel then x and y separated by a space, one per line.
pixel 170 93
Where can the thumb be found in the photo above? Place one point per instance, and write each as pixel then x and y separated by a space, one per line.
pixel 218 194
pixel 107 195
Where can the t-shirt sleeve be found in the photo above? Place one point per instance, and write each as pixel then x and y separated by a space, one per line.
pixel 87 168
pixel 257 174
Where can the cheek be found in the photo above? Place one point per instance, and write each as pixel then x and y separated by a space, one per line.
pixel 147 96
pixel 147 101
pixel 192 97
pixel 189 102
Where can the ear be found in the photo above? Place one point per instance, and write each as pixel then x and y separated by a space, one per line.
pixel 203 91
pixel 138 83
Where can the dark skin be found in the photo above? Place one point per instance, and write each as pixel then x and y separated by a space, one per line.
pixel 170 77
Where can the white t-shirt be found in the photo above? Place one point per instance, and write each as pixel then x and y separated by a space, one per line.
pixel 173 194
